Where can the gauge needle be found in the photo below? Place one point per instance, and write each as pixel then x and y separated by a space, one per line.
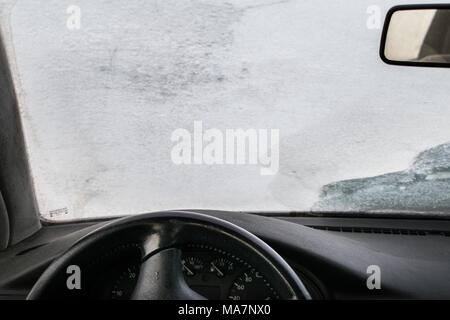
pixel 189 271
pixel 217 269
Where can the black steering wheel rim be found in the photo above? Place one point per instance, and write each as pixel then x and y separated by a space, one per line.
pixel 159 230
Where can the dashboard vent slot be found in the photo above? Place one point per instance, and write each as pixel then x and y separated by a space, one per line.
pixel 407 232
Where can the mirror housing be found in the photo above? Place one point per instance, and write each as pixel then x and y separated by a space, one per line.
pixel 417 35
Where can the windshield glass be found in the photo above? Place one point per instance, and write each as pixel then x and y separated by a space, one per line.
pixel 137 106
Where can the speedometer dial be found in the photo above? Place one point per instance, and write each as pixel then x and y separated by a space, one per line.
pixel 192 265
pixel 251 285
pixel 221 267
pixel 219 275
pixel 125 283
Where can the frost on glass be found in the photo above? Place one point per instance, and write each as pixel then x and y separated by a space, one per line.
pixel 101 99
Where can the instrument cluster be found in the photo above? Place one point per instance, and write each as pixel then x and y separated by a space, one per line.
pixel 210 271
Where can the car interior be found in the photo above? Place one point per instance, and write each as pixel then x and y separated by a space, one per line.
pixel 216 254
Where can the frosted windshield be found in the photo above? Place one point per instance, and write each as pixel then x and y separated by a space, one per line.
pixel 137 106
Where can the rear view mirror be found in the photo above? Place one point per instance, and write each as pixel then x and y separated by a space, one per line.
pixel 417 35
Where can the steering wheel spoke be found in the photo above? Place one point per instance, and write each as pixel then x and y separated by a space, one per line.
pixel 161 278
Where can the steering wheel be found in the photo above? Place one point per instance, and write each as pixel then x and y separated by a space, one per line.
pixel 159 237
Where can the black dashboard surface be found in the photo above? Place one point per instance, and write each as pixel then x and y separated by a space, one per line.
pixel 331 255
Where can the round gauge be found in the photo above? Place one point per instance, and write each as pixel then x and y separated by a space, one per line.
pixel 192 265
pixel 251 285
pixel 221 267
pixel 124 285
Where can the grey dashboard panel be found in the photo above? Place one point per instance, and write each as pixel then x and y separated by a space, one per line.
pixel 412 266
pixel 23 263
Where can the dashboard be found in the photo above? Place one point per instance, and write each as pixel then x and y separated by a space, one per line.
pixel 330 255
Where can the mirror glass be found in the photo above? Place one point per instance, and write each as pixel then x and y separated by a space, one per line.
pixel 419 35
